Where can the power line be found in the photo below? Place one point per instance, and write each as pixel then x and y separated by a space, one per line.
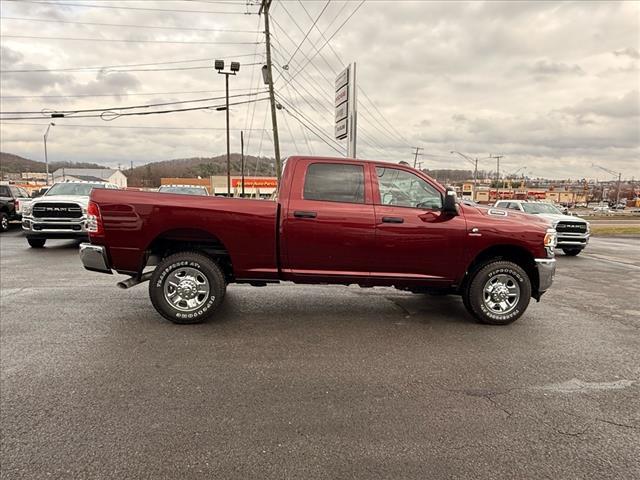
pixel 149 94
pixel 134 127
pixel 309 31
pixel 46 20
pixel 131 107
pixel 84 5
pixel 123 40
pixel 109 116
pixel 333 35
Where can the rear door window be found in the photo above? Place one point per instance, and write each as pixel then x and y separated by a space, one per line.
pixel 334 182
pixel 4 191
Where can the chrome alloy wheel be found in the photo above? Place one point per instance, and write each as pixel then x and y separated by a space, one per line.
pixel 501 293
pixel 5 223
pixel 186 289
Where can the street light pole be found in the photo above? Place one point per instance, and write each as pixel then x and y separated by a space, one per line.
pixel 46 159
pixel 235 67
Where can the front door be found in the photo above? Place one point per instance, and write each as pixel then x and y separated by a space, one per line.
pixel 329 226
pixel 414 239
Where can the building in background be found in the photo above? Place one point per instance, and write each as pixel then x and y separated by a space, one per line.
pixel 255 187
pixel 107 175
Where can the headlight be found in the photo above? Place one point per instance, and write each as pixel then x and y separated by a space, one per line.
pixel 26 209
pixel 588 227
pixel 550 238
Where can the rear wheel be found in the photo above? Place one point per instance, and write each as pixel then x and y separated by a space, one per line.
pixel 498 293
pixel 36 242
pixel 571 252
pixel 187 287
pixel 4 222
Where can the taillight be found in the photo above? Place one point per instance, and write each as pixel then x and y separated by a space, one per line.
pixel 94 220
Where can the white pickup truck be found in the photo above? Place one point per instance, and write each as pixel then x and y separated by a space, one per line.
pixel 573 232
pixel 60 213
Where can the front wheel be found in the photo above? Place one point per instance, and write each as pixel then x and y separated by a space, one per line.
pixel 4 222
pixel 498 293
pixel 36 242
pixel 571 252
pixel 187 287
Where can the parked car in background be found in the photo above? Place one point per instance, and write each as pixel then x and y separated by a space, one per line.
pixel 184 189
pixel 39 192
pixel 10 197
pixel 336 221
pixel 602 209
pixel 60 213
pixel 573 232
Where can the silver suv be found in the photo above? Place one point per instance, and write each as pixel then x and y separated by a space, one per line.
pixel 59 213
pixel 573 232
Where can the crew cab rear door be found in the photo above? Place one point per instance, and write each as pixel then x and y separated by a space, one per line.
pixel 328 227
pixel 414 239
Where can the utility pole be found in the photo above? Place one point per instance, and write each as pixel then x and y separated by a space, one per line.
pixel 264 7
pixel 497 157
pixel 242 161
pixel 415 158
pixel 614 173
pixel 131 166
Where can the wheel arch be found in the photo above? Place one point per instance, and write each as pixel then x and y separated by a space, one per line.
pixel 177 240
pixel 514 253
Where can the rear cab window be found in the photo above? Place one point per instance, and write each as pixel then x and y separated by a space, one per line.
pixel 334 182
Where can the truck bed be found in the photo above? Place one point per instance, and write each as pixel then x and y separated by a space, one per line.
pixel 135 221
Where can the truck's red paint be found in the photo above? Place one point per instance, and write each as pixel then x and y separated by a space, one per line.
pixel 344 243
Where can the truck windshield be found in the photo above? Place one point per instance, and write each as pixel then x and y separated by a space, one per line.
pixel 81 189
pixel 540 208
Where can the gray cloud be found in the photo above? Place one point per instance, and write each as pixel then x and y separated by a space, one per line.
pixel 549 85
pixel 545 67
pixel 627 52
pixel 624 107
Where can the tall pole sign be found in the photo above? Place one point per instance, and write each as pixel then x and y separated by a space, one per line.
pixel 345 108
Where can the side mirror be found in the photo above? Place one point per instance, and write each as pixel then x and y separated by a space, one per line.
pixel 450 202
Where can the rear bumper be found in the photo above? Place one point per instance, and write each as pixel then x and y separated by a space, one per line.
pixel 546 271
pixel 94 258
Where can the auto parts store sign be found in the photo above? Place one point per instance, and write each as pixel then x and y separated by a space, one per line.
pixel 255 182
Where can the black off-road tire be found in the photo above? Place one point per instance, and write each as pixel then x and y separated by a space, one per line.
pixel 36 242
pixel 193 260
pixel 571 252
pixel 4 222
pixel 473 294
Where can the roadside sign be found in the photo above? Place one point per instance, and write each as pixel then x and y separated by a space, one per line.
pixel 342 79
pixel 341 129
pixel 342 95
pixel 342 111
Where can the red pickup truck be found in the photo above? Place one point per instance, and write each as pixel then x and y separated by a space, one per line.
pixel 335 221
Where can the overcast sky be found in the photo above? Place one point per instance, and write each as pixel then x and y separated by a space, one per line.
pixel 554 87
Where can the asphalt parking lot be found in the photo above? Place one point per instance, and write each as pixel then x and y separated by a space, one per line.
pixel 317 382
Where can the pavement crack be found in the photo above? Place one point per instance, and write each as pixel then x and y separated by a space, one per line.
pixel 573 434
pixel 497 405
pixel 611 422
pixel 399 305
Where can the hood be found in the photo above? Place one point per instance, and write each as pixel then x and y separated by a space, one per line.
pixel 556 217
pixel 79 199
pixel 510 216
